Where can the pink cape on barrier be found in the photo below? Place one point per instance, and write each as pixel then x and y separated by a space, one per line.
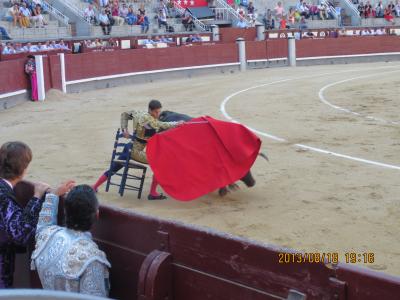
pixel 201 156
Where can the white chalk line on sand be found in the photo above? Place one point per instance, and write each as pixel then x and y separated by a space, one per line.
pixel 323 99
pixel 302 146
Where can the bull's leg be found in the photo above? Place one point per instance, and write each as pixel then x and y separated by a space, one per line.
pixel 223 191
pixel 233 187
pixel 248 179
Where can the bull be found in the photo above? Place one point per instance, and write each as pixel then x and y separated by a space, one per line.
pixel 247 179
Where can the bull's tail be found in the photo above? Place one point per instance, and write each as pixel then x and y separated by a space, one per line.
pixel 263 155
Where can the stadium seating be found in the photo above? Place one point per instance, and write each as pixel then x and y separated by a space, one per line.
pixel 53 29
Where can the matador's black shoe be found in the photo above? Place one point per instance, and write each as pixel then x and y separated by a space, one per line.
pixel 159 197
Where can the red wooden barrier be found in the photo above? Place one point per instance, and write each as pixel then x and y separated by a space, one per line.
pixel 12 76
pixel 256 50
pixel 89 65
pixel 154 259
pixel 230 34
pixel 347 46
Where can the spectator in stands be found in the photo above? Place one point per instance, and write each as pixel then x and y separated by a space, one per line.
pixel 3 34
pixel 32 48
pixel 391 6
pixel 123 11
pixel 90 15
pixel 13 14
pixel 279 10
pixel 303 23
pixel 63 45
pixel 291 16
pixel 379 10
pixel 142 10
pixel 297 15
pixel 103 3
pixel 242 23
pixel 118 20
pixel 323 11
pixel 269 22
pixel 397 8
pixel 361 9
pixel 365 32
pixel 303 9
pixel 144 23
pixel 43 47
pixel 105 22
pixel 250 10
pixel 53 45
pixel 388 15
pixel 189 39
pixel 148 41
pixel 131 17
pixel 37 17
pixel 8 49
pixel 25 15
pixel 162 19
pixel 162 6
pixel 313 10
pixel 187 22
pixel 97 43
pixel 76 264
pixel 197 38
pixel 164 39
pixel 368 10
pixel 18 48
pixel 282 23
pixel 380 31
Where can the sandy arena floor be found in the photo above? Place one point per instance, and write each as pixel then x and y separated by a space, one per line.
pixel 304 198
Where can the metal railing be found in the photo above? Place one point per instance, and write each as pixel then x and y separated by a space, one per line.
pixel 354 12
pixel 77 10
pixel 55 13
pixel 235 16
pixel 196 21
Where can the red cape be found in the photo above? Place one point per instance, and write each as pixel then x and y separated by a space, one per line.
pixel 201 156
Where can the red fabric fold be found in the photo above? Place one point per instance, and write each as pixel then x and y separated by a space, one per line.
pixel 201 156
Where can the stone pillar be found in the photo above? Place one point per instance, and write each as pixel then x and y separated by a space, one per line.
pixel 260 32
pixel 215 33
pixel 242 54
pixel 40 77
pixel 292 51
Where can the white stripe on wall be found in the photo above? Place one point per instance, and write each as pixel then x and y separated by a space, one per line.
pixel 149 72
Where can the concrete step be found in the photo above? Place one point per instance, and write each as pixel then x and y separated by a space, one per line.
pixel 377 22
pixel 39 33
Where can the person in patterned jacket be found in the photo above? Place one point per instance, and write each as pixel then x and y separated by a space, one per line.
pixel 17 224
